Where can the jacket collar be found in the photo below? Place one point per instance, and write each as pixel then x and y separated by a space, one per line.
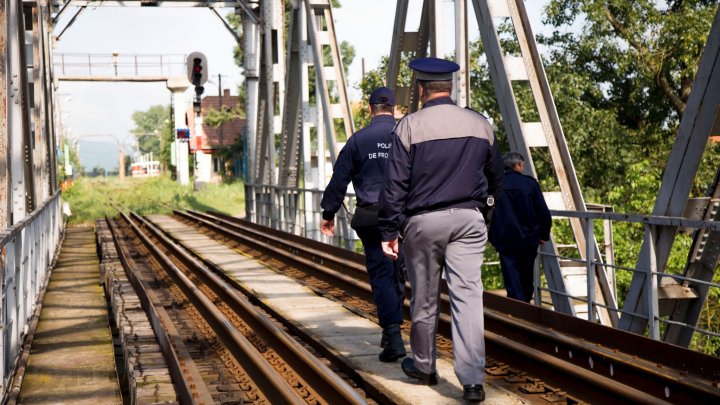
pixel 438 101
pixel 382 118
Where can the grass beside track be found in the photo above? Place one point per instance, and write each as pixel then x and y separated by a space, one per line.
pixel 91 198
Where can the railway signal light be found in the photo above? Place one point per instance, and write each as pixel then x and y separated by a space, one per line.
pixel 197 72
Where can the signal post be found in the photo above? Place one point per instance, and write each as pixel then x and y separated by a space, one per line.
pixel 178 85
pixel 198 74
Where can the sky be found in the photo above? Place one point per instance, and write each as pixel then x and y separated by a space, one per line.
pixel 99 114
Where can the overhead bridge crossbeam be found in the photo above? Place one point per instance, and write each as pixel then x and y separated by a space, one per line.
pixel 69 78
pixel 115 67
pixel 149 3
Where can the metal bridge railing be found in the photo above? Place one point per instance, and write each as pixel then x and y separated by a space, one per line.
pixel 651 225
pixel 297 211
pixel 118 64
pixel 26 253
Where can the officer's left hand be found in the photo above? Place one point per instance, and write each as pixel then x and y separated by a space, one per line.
pixel 327 227
pixel 390 248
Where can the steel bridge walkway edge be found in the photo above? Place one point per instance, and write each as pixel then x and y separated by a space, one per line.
pixel 72 359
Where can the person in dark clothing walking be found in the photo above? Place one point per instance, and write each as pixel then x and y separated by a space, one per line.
pixel 363 161
pixel 444 165
pixel 520 223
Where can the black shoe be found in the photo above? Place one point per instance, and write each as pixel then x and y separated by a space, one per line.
pixel 383 340
pixel 473 393
pixel 408 367
pixel 394 346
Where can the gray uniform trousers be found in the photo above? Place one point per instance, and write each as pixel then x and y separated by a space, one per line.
pixel 454 239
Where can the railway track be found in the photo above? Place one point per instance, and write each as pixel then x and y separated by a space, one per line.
pixel 223 348
pixel 590 362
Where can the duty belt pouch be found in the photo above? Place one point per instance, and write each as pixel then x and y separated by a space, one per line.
pixel 365 217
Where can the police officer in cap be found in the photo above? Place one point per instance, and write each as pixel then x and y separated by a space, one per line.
pixel 363 161
pixel 444 164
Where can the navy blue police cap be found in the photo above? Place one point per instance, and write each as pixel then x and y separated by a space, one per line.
pixel 382 95
pixel 433 69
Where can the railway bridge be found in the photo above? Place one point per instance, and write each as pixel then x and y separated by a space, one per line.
pixel 202 307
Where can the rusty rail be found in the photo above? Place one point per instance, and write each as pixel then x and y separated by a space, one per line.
pixel 613 363
pixel 329 387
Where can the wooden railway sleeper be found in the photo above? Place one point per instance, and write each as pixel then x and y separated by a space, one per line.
pixel 556 396
pixel 533 386
pixel 498 370
pixel 516 377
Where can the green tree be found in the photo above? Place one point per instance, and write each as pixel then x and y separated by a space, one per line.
pixel 74 159
pixel 153 132
pixel 630 67
pixel 217 118
pixel 622 78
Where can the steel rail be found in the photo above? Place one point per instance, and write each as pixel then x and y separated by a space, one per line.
pixel 676 375
pixel 274 387
pixel 335 357
pixel 188 383
pixel 328 385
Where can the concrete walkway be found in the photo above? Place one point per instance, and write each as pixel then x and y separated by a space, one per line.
pixel 72 359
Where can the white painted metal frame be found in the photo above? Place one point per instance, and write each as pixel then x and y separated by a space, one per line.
pixel 28 248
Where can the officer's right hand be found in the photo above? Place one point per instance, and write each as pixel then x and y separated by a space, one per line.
pixel 327 227
pixel 390 248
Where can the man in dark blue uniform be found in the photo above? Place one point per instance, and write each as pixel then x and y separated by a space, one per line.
pixel 444 164
pixel 520 223
pixel 364 161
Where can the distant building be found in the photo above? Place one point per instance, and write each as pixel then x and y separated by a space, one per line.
pixel 145 167
pixel 212 140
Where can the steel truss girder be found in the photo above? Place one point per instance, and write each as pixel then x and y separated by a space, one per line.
pixel 21 187
pixel 27 141
pixel 44 139
pixel 702 261
pixel 416 42
pixel 701 114
pixel 5 195
pixel 519 133
pixel 311 43
pixel 550 134
pixel 295 86
pixel 305 48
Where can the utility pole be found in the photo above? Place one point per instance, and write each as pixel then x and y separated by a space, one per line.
pixel 121 161
pixel 177 86
pixel 198 74
pixel 222 125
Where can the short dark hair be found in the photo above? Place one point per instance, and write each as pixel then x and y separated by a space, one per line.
pixel 441 86
pixel 382 108
pixel 511 159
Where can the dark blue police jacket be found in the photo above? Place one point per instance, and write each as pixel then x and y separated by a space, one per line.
pixel 521 218
pixel 363 160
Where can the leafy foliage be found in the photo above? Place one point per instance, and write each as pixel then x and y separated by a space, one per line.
pixel 91 198
pixel 74 159
pixel 621 78
pixel 154 132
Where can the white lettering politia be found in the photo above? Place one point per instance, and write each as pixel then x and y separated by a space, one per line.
pixel 372 155
pixel 384 145
pixel 383 154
